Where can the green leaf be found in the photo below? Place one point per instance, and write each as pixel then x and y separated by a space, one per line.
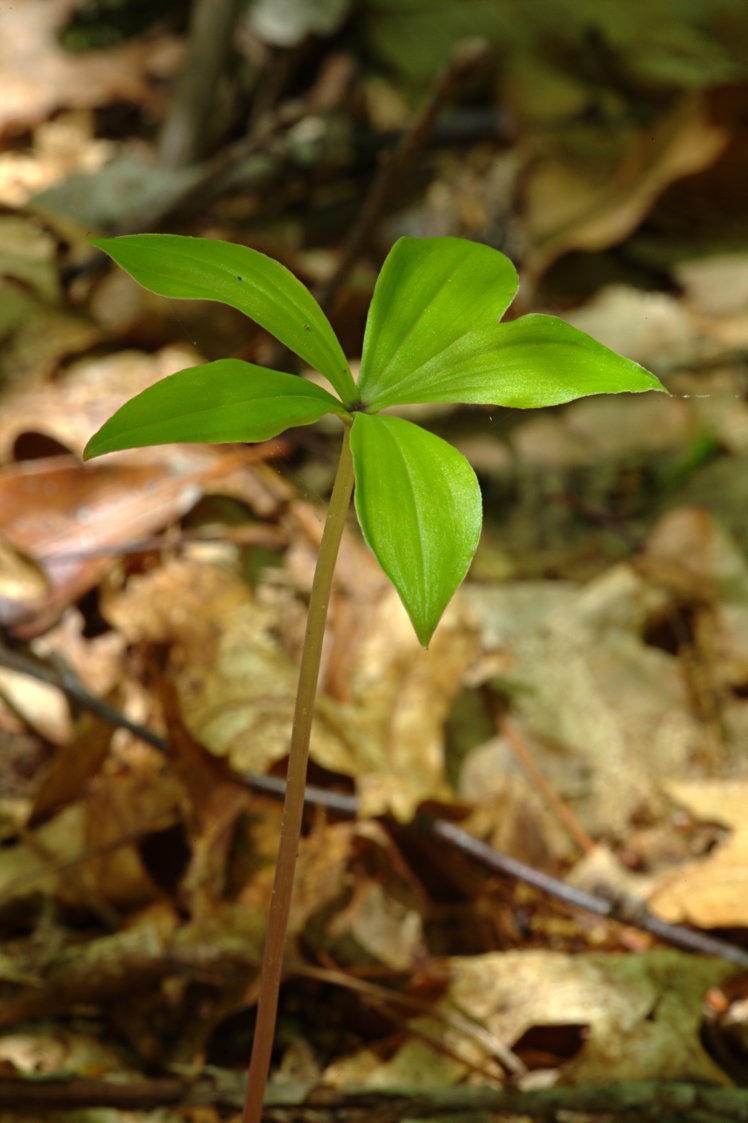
pixel 228 400
pixel 419 506
pixel 530 362
pixel 261 288
pixel 431 293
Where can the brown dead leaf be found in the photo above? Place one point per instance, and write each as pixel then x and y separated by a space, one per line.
pixel 28 255
pixel 323 876
pixel 86 854
pixel 385 930
pixel 605 428
pixel 41 336
pixel 652 328
pixel 21 577
pixel 121 808
pixel 213 804
pixel 509 811
pixel 72 409
pixel 29 867
pixel 691 555
pixel 589 199
pixel 127 962
pixel 36 329
pixel 33 1050
pixel 40 77
pixel 235 684
pixel 70 520
pixel 716 286
pixel 97 661
pixel 72 765
pixel 356 900
pixel 722 411
pixel 688 551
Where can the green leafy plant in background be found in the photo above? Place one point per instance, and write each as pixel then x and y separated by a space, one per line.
pixel 433 334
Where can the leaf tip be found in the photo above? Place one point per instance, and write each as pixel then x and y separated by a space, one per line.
pixel 424 628
pixel 98 445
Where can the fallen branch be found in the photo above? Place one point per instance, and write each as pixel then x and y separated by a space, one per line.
pixel 640 1100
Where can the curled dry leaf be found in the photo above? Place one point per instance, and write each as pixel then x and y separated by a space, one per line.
pixel 72 520
pixel 573 203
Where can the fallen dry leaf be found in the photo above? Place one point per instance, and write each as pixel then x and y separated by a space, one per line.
pixel 713 891
pixel 71 409
pixel 323 876
pixel 61 146
pixel 583 200
pixel 36 329
pixel 39 76
pixel 34 1050
pixel 41 706
pixel 716 286
pixel 640 1018
pixel 236 684
pixel 386 930
pixel 605 429
pixel 21 577
pixel 691 555
pixel 71 767
pixel 401 696
pixel 72 519
pixel 606 714
pixel 651 328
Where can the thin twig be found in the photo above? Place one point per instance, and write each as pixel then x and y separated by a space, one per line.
pixel 467 59
pixel 384 998
pixel 524 758
pixel 623 909
pixel 253 534
pixel 73 688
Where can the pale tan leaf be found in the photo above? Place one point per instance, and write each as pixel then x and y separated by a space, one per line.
pixel 711 892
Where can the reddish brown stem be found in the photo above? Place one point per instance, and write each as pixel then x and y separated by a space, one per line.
pixel 293 805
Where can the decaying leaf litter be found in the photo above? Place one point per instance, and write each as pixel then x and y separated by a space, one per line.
pixel 599 642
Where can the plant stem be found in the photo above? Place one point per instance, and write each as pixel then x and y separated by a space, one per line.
pixel 293 804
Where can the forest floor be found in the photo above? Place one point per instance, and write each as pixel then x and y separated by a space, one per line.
pixel 523 882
